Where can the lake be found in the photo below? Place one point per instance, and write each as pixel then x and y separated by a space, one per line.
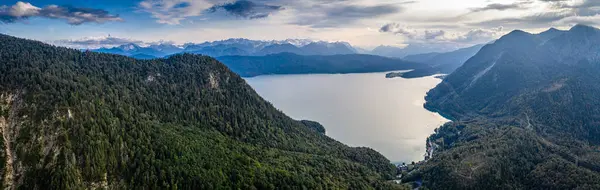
pixel 359 109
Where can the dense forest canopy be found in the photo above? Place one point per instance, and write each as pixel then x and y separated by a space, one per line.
pixel 73 120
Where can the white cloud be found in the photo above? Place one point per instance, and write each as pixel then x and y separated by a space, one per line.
pixel 73 15
pixel 22 9
pixel 473 36
pixel 588 20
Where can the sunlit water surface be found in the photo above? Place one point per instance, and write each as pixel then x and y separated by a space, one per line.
pixel 359 109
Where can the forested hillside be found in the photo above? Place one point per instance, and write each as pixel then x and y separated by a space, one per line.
pixel 527 115
pixel 73 120
pixel 288 63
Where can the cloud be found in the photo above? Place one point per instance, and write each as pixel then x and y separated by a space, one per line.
pixel 247 9
pixel 396 28
pixel 474 36
pixel 430 35
pixel 174 11
pixel 340 14
pixel 561 12
pixel 75 16
pixel 96 42
pixel 19 11
pixel 534 20
pixel 587 20
pixel 478 35
pixel 502 7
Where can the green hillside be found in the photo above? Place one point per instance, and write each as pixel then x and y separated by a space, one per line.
pixel 73 120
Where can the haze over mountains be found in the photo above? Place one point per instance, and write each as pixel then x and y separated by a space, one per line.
pixel 230 47
pixel 440 63
pixel 245 47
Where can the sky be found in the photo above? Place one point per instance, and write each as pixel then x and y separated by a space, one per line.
pixel 363 23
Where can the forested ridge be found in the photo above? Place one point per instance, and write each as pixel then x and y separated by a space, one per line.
pixel 289 63
pixel 526 115
pixel 74 120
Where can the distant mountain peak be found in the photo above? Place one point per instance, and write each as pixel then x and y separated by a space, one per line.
pixel 551 30
pixel 518 32
pixel 129 46
pixel 516 36
pixel 580 28
pixel 583 26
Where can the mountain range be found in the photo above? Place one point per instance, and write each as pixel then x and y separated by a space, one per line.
pixel 231 47
pixel 245 47
pixel 410 49
pixel 250 58
pixel 526 115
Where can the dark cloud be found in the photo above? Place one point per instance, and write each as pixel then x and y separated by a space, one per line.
pixel 73 15
pixel 353 11
pixel 247 9
pixel 434 34
pixel 502 7
pixel 535 20
pixel 396 28
pixel 334 15
pixel 77 16
pixel 562 13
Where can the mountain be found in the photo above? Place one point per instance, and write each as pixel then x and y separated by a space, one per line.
pixel 143 56
pixel 441 63
pixel 86 120
pixel 526 115
pixel 167 49
pixel 134 50
pixel 388 51
pixel 220 50
pixel 288 63
pixel 551 33
pixel 236 46
pixel 325 48
pixel 411 49
pixel 422 58
pixel 280 48
pixel 259 48
pixel 239 44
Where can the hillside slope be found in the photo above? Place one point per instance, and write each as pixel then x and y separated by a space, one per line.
pixel 73 120
pixel 288 63
pixel 526 112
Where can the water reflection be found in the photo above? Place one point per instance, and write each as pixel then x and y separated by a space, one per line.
pixel 359 109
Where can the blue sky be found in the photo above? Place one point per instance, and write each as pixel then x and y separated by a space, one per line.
pixel 365 23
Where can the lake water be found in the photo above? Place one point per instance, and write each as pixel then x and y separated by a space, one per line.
pixel 359 109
